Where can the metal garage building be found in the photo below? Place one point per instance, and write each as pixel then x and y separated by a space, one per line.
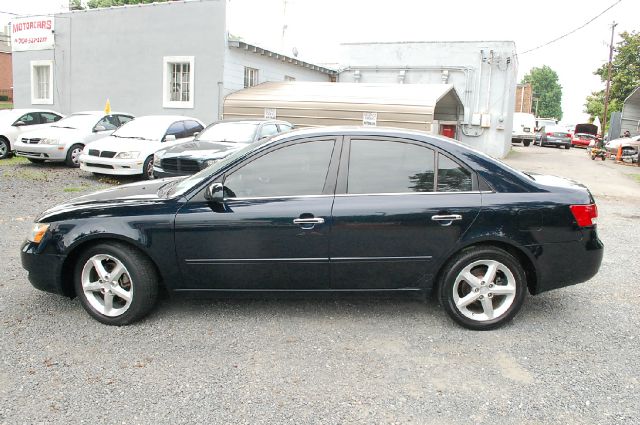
pixel 631 113
pixel 426 107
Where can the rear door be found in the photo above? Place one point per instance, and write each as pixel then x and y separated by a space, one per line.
pixel 399 206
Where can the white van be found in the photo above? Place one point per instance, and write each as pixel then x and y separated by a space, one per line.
pixel 523 128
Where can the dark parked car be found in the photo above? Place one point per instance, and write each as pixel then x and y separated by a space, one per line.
pixel 328 209
pixel 214 143
pixel 554 136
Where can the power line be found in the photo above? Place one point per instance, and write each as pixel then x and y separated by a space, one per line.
pixel 571 32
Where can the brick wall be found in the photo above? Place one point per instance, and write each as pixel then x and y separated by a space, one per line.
pixel 6 74
pixel 524 98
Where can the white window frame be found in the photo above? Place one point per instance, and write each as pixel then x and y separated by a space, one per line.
pixel 167 63
pixel 37 100
pixel 251 75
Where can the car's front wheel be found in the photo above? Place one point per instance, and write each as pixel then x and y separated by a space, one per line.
pixel 73 156
pixel 482 288
pixel 527 142
pixel 115 283
pixel 5 148
pixel 147 168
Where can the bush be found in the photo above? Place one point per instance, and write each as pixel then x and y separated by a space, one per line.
pixel 4 98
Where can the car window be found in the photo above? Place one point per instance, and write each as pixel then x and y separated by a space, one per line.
pixel 109 122
pixel 452 177
pixel 299 169
pixel 383 166
pixel 176 129
pixel 30 118
pixel 123 119
pixel 192 127
pixel 268 130
pixel 48 117
pixel 284 127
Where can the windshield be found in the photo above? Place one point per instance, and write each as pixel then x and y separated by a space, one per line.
pixel 77 121
pixel 235 132
pixel 147 128
pixel 179 187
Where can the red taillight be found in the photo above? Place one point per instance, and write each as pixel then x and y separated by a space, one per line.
pixel 585 215
pixel 549 134
pixel 569 135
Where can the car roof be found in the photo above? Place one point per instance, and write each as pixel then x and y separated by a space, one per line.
pixel 99 113
pixel 253 120
pixel 168 119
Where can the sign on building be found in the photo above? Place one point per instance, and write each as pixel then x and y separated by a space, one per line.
pixel 270 113
pixel 370 119
pixel 32 33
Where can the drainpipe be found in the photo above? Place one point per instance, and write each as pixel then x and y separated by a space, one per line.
pixel 489 85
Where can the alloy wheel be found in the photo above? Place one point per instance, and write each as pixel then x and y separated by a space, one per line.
pixel 107 285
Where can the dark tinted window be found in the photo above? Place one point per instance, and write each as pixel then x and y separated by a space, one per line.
pixel 124 119
pixel 299 169
pixel 176 129
pixel 30 119
pixel 381 166
pixel 48 117
pixel 268 130
pixel 192 127
pixel 452 177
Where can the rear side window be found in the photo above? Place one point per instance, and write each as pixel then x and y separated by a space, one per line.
pixel 124 119
pixel 284 127
pixel 176 129
pixel 452 177
pixel 109 122
pixel 268 130
pixel 192 127
pixel 47 117
pixel 383 166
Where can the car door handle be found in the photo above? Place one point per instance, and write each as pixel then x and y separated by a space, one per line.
pixel 447 217
pixel 303 221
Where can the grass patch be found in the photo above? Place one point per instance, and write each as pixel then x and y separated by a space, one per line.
pixel 15 160
pixel 71 189
pixel 636 177
pixel 6 105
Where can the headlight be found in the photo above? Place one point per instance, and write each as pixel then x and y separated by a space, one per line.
pixel 37 232
pixel 210 162
pixel 156 159
pixel 128 155
pixel 47 141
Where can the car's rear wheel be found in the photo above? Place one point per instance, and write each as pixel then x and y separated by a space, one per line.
pixel 73 156
pixel 483 288
pixel 115 283
pixel 36 160
pixel 567 147
pixel 5 148
pixel 147 168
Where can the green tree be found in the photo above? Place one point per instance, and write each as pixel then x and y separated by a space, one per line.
pixel 544 83
pixel 93 4
pixel 625 77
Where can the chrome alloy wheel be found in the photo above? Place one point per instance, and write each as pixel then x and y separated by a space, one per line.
pixel 484 290
pixel 3 149
pixel 107 285
pixel 149 170
pixel 75 155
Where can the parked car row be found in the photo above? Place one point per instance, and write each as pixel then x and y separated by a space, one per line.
pixel 120 144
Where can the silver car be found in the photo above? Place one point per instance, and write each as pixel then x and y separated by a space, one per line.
pixel 554 135
pixel 64 140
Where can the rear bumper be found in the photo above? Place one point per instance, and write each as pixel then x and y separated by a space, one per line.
pixel 44 269
pixel 567 263
pixel 556 142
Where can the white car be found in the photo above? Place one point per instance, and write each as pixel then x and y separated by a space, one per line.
pixel 129 150
pixel 14 122
pixel 65 139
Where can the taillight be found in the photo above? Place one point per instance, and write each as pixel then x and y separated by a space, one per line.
pixel 585 215
pixel 569 135
pixel 549 134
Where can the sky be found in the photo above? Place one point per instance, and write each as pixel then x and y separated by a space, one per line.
pixel 317 27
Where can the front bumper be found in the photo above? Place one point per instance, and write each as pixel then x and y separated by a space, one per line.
pixel 112 166
pixel 45 270
pixel 161 173
pixel 41 151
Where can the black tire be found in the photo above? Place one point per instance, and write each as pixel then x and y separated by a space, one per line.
pixel 567 147
pixel 5 148
pixel 73 156
pixel 147 168
pixel 526 142
pixel 36 160
pixel 465 259
pixel 142 281
pixel 593 157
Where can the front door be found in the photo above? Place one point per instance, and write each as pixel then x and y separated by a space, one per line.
pixel 399 206
pixel 272 230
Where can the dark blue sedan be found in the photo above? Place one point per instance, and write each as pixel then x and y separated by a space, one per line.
pixel 331 209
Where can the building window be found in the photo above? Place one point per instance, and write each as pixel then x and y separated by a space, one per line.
pixel 289 78
pixel 250 77
pixel 42 82
pixel 178 77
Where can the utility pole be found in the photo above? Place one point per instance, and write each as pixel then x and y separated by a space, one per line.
pixel 606 94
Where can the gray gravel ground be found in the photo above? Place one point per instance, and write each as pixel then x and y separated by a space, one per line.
pixel 571 356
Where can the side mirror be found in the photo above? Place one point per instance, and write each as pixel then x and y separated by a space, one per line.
pixel 19 123
pixel 214 193
pixel 98 128
pixel 196 134
pixel 170 138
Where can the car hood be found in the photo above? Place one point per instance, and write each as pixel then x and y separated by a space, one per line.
pixel 201 150
pixel 54 133
pixel 118 144
pixel 142 194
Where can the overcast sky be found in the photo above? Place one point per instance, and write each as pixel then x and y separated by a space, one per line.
pixel 317 27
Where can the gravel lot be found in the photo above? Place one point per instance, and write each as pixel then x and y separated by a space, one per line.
pixel 570 356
